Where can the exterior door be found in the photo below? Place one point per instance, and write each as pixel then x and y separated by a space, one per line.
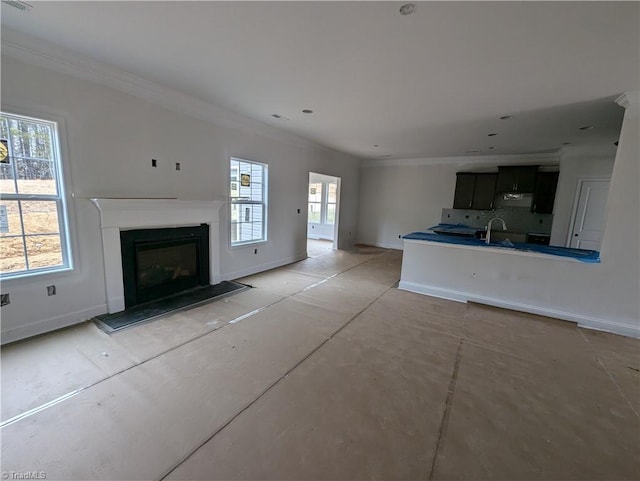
pixel 590 213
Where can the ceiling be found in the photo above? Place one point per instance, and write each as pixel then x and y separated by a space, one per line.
pixel 380 84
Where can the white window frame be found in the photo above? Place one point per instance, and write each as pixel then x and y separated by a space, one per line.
pixel 59 199
pixel 263 202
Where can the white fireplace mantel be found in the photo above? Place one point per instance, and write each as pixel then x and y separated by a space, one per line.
pixel 127 214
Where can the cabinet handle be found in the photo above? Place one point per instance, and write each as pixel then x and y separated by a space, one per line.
pixel 470 202
pixel 516 187
pixel 534 207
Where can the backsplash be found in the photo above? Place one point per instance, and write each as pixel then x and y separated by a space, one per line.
pixel 518 219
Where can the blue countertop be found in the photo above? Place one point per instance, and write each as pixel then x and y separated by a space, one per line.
pixel 582 255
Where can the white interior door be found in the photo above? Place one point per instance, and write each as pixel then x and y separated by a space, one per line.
pixel 590 213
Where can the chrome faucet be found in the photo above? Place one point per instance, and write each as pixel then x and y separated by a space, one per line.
pixel 504 227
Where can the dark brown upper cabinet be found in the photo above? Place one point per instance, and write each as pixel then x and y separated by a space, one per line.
pixel 545 193
pixel 474 191
pixel 521 179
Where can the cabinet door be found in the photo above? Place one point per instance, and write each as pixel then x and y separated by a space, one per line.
pixel 484 192
pixel 526 178
pixel 506 179
pixel 545 193
pixel 517 178
pixel 465 185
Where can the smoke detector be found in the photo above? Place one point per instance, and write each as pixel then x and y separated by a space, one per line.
pixel 23 6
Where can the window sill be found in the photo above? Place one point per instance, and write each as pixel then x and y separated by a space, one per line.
pixel 249 244
pixel 31 275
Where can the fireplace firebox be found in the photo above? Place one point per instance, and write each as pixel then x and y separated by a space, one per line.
pixel 157 263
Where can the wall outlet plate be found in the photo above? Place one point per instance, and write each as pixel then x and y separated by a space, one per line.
pixel 4 299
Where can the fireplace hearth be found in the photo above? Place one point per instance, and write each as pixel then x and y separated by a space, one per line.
pixel 158 263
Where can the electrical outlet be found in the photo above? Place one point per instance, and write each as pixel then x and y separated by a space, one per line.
pixel 4 299
pixel 255 251
pixel 154 163
pixel 298 211
pixel 51 290
pixel 177 165
pixel 399 236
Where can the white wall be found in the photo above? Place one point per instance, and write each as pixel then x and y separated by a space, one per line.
pixel 109 139
pixel 601 296
pixel 396 200
pixel 575 165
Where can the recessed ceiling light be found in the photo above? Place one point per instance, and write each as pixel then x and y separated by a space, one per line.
pixel 376 145
pixel 472 151
pixel 491 148
pixel 307 111
pixel 505 117
pixel 491 135
pixel 566 143
pixel 407 9
pixel 586 127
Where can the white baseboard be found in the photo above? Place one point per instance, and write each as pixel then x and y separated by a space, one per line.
pixel 582 320
pixel 51 324
pixel 384 245
pixel 262 267
pixel 433 291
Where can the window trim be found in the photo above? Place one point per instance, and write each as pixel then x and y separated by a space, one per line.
pixel 264 203
pixel 61 199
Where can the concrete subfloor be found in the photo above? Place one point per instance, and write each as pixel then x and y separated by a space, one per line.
pixel 325 371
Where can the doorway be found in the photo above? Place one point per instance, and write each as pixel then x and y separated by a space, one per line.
pixel 323 198
pixel 589 214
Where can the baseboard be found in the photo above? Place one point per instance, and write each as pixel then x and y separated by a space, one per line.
pixel 51 324
pixel 433 291
pixel 384 245
pixel 582 321
pixel 230 276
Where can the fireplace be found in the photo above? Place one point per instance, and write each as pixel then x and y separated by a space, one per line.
pixel 125 215
pixel 157 263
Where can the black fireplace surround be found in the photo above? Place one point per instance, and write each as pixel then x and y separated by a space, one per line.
pixel 157 263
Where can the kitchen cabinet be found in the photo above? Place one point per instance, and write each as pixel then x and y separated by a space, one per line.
pixel 520 178
pixel 544 194
pixel 474 191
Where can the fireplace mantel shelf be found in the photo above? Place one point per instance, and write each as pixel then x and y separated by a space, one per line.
pixel 141 213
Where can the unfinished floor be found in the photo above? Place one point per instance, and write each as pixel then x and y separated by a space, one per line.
pixel 325 371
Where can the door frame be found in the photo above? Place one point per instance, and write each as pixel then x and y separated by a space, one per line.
pixel 576 200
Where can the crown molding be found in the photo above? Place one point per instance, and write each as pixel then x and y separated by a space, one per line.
pixel 630 101
pixel 38 52
pixel 542 159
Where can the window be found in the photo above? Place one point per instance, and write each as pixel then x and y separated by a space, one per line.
pixel 248 194
pixel 322 202
pixel 332 188
pixel 33 224
pixel 315 202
